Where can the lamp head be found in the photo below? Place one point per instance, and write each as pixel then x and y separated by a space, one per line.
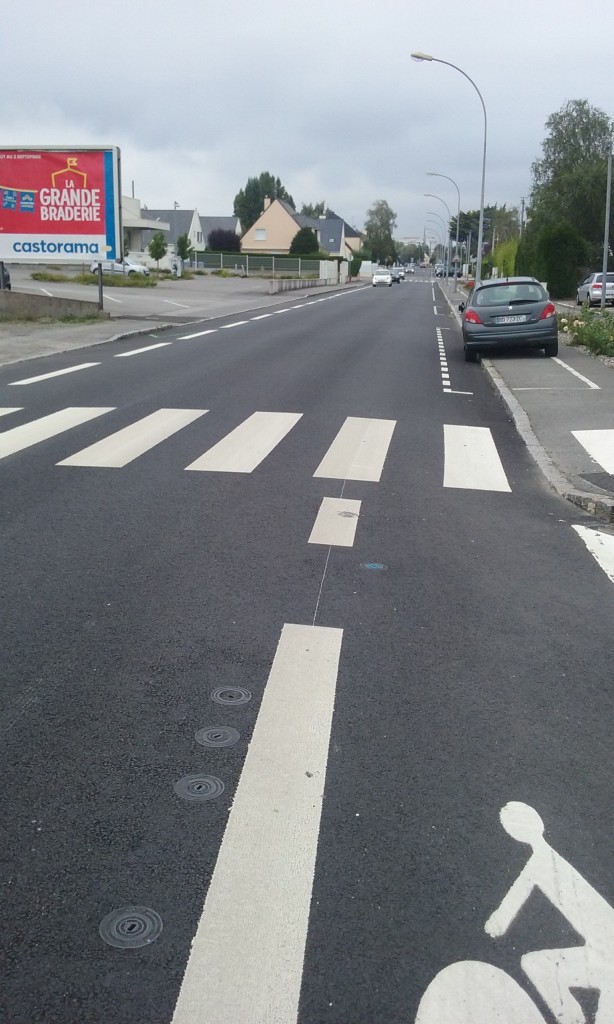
pixel 421 56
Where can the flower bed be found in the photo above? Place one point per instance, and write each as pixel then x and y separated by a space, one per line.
pixel 591 328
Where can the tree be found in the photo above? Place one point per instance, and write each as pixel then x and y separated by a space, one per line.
pixel 184 249
pixel 304 243
pixel 313 209
pixel 249 202
pixel 560 252
pixel 222 240
pixel 569 181
pixel 158 248
pixel 379 226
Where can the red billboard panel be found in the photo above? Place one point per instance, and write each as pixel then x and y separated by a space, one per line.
pixel 60 204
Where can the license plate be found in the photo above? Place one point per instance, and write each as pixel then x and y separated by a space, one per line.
pixel 519 319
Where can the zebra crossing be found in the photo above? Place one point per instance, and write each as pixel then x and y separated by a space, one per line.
pixel 357 451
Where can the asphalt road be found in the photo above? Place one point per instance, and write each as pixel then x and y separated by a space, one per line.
pixel 451 656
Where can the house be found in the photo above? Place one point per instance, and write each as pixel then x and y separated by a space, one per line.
pixel 209 224
pixel 136 226
pixel 278 224
pixel 179 222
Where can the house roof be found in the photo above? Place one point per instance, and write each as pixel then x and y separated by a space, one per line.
pixel 180 221
pixel 209 224
pixel 329 229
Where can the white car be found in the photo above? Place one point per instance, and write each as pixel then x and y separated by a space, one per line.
pixel 118 267
pixel 590 290
pixel 382 276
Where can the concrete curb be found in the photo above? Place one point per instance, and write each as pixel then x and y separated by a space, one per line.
pixel 600 507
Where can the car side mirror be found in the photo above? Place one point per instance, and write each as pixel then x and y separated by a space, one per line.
pixel 461 307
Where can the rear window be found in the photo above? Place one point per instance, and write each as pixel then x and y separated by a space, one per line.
pixel 503 294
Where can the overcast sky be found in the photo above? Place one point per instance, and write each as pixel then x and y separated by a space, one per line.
pixel 200 94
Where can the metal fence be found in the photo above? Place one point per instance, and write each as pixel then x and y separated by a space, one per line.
pixel 254 265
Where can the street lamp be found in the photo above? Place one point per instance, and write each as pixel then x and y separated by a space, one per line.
pixel 427 56
pixel 431 196
pixel 436 174
pixel 606 228
pixel 439 227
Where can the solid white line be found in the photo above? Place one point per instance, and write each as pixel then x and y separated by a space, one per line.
pixel 601 547
pixel 137 351
pixel 600 446
pixel 127 444
pixel 56 373
pixel 459 392
pixel 180 304
pixel 246 960
pixel 358 451
pixel 199 334
pixel 45 292
pixel 591 384
pixel 7 412
pixel 111 299
pixel 248 444
pixel 471 460
pixel 19 438
pixel 336 522
pixel 237 323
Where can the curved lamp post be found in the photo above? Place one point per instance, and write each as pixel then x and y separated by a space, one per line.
pixel 436 174
pixel 439 225
pixel 427 56
pixel 430 195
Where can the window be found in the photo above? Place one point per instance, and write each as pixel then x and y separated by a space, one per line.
pixel 261 234
pixel 199 236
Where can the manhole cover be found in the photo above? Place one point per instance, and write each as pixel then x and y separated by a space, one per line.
pixel 377 566
pixel 218 736
pixel 199 787
pixel 231 695
pixel 130 927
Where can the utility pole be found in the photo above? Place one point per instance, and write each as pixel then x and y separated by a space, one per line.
pixel 522 201
pixel 606 228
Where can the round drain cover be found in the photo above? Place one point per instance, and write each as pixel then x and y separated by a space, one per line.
pixel 231 695
pixel 373 565
pixel 218 736
pixel 199 787
pixel 130 927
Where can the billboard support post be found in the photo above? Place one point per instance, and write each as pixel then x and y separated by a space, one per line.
pixel 100 295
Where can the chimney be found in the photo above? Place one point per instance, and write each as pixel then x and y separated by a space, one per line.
pixel 267 202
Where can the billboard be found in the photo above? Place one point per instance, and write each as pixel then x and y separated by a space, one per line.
pixel 60 204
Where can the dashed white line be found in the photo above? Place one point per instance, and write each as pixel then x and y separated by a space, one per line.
pixel 56 373
pixel 199 334
pixel 236 323
pixel 138 351
pixel 180 304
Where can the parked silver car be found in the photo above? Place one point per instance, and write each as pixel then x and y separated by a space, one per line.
pixel 119 267
pixel 590 290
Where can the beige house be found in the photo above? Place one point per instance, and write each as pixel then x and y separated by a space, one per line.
pixel 278 224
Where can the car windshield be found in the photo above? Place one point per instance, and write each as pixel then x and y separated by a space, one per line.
pixel 509 294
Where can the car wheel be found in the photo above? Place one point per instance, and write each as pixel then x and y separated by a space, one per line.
pixel 552 349
pixel 578 299
pixel 471 355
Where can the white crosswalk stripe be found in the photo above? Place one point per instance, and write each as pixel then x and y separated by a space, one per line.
pixel 7 412
pixel 601 547
pixel 19 438
pixel 471 460
pixel 600 446
pixel 127 444
pixel 358 451
pixel 248 444
pixel 336 522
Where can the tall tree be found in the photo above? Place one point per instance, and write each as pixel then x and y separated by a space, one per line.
pixel 158 248
pixel 249 201
pixel 313 209
pixel 379 227
pixel 222 240
pixel 304 243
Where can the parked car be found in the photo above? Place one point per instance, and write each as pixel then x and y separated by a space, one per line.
pixel 118 267
pixel 6 277
pixel 590 290
pixel 382 275
pixel 510 311
pixel 398 274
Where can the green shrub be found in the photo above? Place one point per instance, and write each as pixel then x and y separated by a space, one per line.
pixel 117 280
pixel 592 328
pixel 355 266
pixel 49 275
pixel 560 251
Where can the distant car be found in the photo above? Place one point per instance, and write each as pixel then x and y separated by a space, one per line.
pixel 511 311
pixel 411 269
pixel 118 267
pixel 397 274
pixel 440 270
pixel 590 290
pixel 382 275
pixel 6 278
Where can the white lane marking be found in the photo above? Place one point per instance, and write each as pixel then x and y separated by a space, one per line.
pixel 199 334
pixel 471 460
pixel 246 960
pixel 111 299
pixel 263 316
pixel 45 292
pixel 180 304
pixel 248 444
pixel 287 310
pixel 56 373
pixel 19 438
pixel 358 451
pixel 138 351
pixel 237 323
pixel 7 412
pixel 125 445
pixel 458 392
pixel 435 310
pixel 591 384
pixel 601 547
pixel 336 522
pixel 600 446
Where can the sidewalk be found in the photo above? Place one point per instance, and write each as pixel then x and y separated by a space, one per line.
pixel 552 399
